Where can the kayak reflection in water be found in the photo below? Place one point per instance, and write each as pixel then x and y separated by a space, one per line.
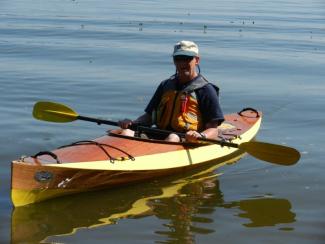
pixel 185 102
pixel 173 199
pixel 188 207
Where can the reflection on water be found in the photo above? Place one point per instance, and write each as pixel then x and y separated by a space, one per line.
pixel 266 212
pixel 186 205
pixel 186 213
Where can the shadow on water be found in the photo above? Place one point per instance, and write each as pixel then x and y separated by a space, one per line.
pixel 266 212
pixel 186 203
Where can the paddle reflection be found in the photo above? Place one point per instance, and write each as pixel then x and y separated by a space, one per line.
pixel 266 212
pixel 186 206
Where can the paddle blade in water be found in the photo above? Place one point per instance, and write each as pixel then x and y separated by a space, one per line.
pixel 54 112
pixel 272 153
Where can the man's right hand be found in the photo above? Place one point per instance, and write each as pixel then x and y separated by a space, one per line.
pixel 125 123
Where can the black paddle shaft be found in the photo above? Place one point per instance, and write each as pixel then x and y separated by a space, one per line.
pixel 155 130
pixel 98 121
pixel 114 123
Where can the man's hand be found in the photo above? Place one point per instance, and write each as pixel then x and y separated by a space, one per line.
pixel 125 123
pixel 193 136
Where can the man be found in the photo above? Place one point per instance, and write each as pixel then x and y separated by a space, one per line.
pixel 186 102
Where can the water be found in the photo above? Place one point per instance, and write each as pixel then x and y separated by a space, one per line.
pixel 105 58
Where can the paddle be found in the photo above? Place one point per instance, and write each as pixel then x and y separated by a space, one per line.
pixel 273 153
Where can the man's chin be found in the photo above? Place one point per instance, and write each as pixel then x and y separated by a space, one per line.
pixel 185 73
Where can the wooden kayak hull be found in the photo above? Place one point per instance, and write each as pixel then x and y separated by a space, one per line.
pixel 115 161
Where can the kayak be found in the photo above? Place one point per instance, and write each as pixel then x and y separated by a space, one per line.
pixel 114 160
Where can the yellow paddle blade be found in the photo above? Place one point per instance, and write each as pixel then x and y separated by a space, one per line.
pixel 54 112
pixel 272 153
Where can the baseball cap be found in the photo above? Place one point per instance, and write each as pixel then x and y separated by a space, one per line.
pixel 187 48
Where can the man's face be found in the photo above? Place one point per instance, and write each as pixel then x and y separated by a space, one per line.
pixel 186 66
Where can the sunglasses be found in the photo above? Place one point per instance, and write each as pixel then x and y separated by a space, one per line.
pixel 183 58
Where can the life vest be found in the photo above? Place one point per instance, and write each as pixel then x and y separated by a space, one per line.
pixel 179 110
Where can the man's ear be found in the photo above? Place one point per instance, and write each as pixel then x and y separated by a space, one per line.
pixel 197 60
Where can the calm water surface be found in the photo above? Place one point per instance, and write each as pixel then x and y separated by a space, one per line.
pixel 105 59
